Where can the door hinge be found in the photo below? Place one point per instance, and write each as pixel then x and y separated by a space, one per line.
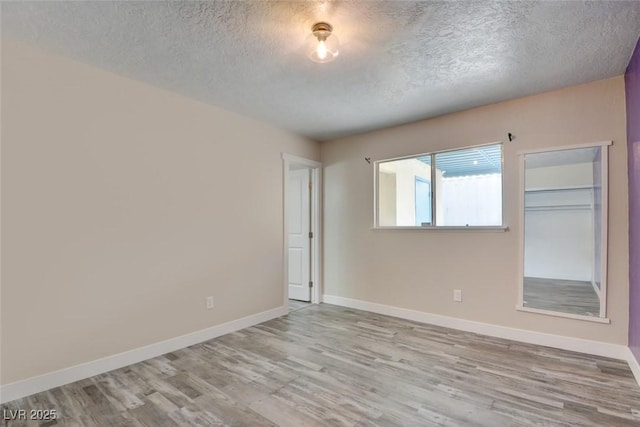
pixel 311 284
pixel 310 186
pixel 311 234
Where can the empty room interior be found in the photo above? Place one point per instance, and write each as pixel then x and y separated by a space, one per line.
pixel 312 213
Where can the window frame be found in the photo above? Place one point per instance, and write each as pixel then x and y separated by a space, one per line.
pixel 417 179
pixel 434 190
pixel 604 248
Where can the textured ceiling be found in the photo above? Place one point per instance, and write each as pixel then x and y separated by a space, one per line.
pixel 399 61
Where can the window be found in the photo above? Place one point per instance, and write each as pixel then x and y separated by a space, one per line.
pixel 564 235
pixel 458 188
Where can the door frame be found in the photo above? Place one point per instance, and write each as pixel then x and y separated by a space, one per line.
pixel 316 221
pixel 604 151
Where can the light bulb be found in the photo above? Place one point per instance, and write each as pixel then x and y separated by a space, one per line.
pixel 322 45
pixel 322 49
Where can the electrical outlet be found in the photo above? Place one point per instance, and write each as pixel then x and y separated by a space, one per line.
pixel 209 303
pixel 457 295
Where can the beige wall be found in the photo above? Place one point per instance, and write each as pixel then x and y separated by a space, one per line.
pixel 387 203
pixel 123 207
pixel 418 269
pixel 403 196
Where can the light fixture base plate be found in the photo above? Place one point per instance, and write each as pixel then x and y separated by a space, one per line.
pixel 322 26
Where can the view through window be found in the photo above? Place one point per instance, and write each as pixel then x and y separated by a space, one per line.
pixel 452 188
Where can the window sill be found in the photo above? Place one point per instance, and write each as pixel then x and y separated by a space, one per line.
pixel 490 228
pixel 566 315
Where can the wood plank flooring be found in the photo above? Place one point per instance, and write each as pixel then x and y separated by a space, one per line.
pixel 331 366
pixel 297 305
pixel 565 296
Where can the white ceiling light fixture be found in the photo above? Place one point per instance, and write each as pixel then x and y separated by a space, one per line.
pixel 322 45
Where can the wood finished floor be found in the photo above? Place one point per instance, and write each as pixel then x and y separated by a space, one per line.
pixel 330 366
pixel 565 296
pixel 295 305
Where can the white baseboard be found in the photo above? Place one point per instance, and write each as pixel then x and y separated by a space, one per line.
pixel 597 348
pixel 634 364
pixel 61 377
pixel 64 376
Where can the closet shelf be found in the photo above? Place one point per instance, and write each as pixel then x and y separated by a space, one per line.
pixel 558 208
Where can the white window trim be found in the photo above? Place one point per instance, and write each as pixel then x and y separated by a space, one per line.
pixel 561 314
pixel 602 318
pixel 446 228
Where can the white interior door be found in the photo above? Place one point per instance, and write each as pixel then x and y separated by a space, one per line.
pixel 299 217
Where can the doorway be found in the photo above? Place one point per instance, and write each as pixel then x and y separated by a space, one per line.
pixel 302 181
pixel 299 233
pixel 563 242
